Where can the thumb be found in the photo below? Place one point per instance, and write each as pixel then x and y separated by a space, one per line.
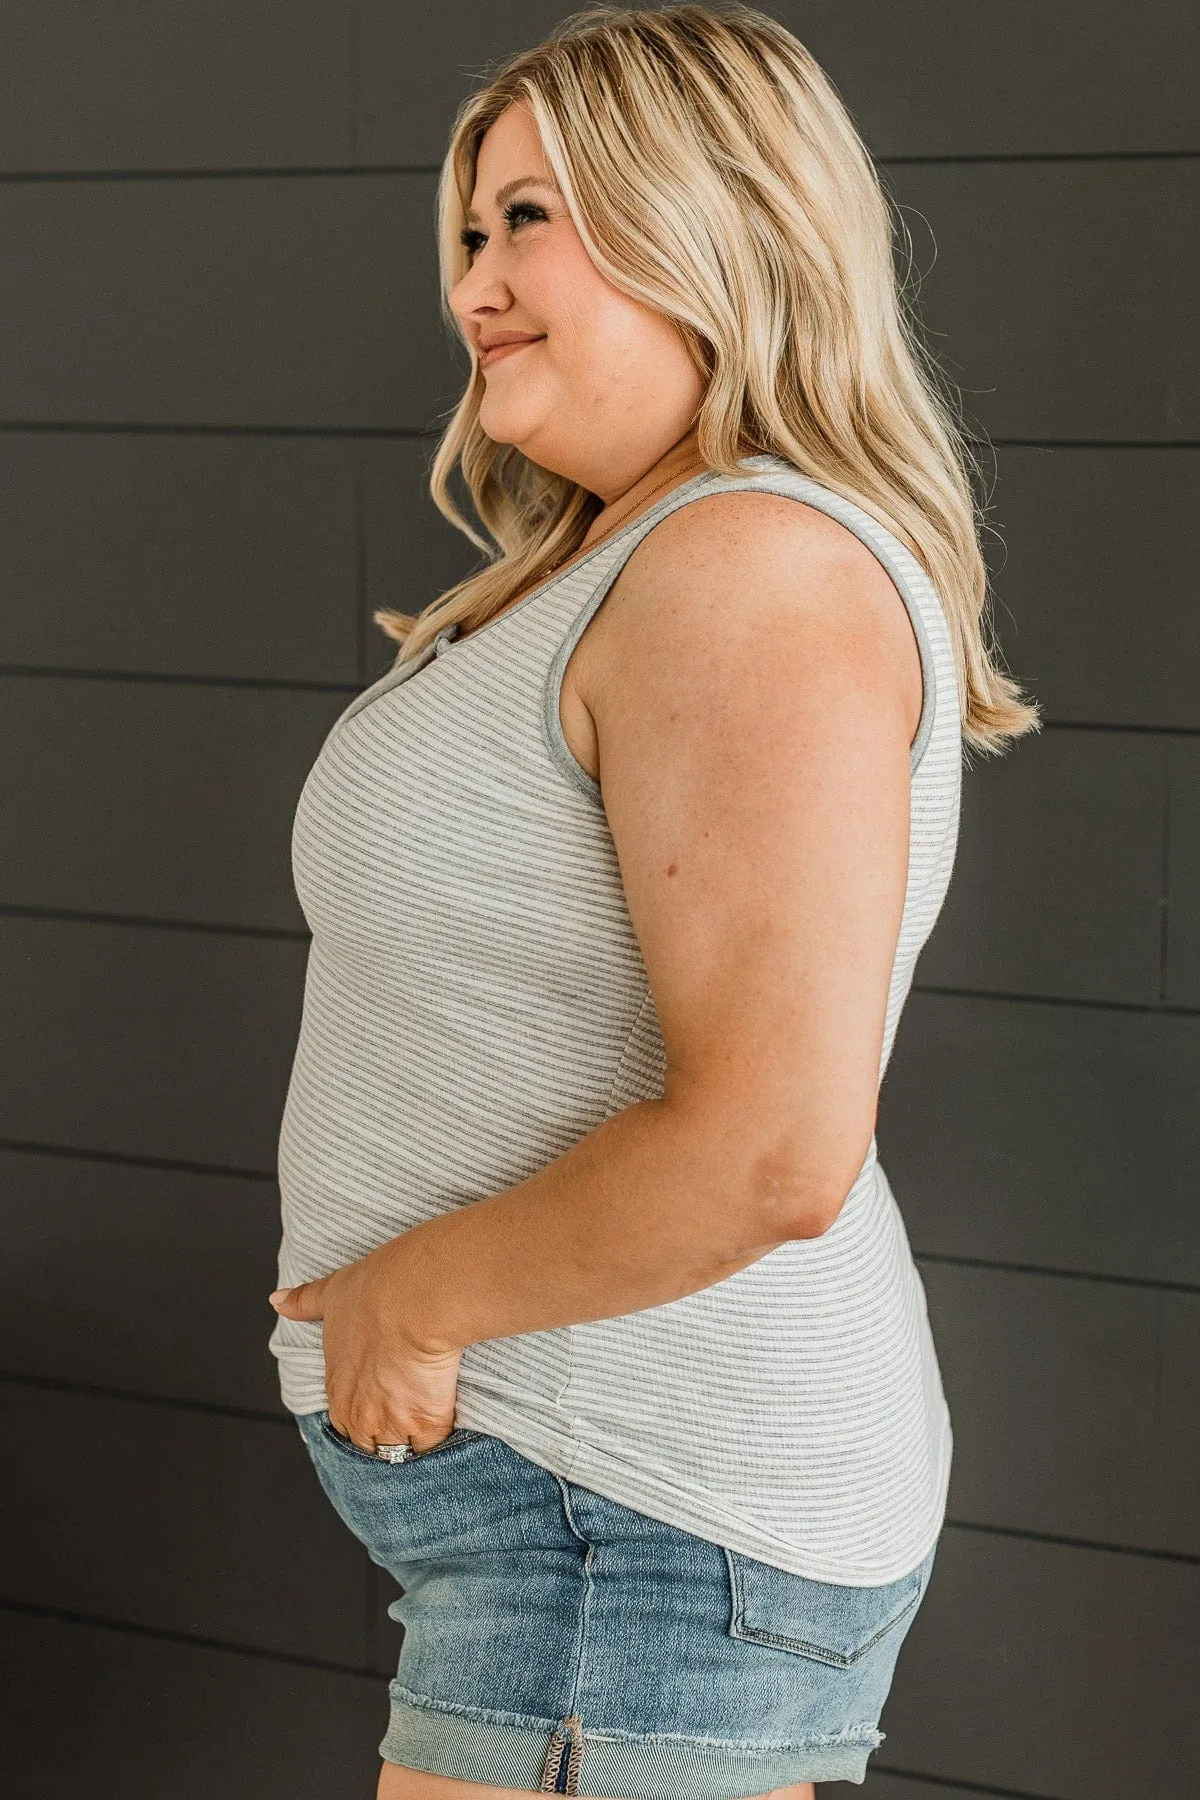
pixel 306 1302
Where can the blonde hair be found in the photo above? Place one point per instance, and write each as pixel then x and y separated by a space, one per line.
pixel 714 174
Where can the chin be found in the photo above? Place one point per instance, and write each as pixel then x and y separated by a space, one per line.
pixel 506 424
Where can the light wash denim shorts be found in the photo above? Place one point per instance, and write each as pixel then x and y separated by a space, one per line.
pixel 558 1642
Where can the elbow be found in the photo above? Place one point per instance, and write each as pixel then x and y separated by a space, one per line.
pixel 815 1219
pixel 803 1197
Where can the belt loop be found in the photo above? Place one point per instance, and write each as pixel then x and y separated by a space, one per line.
pixel 552 1768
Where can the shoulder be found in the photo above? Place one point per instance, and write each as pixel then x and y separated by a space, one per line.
pixel 749 522
pixel 736 575
pixel 786 547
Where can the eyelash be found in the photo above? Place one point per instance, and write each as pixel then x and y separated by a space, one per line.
pixel 472 240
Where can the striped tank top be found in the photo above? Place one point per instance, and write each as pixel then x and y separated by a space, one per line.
pixel 475 1001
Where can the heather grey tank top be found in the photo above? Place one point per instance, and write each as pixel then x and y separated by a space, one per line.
pixel 476 1001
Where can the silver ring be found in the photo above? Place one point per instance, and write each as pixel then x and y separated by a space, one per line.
pixel 394 1453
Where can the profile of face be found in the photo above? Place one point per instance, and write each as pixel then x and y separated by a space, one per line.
pixel 597 386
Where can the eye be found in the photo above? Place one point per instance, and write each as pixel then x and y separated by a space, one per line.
pixel 522 209
pixel 515 212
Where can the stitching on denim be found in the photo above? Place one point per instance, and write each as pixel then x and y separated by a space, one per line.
pixel 486 1715
pixel 567 1736
pixel 568 1733
pixel 818 1652
pixel 853 1738
pixel 587 1587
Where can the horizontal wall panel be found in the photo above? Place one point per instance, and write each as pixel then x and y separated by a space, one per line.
pixel 227 88
pixel 126 1717
pixel 238 557
pixel 308 302
pixel 1057 883
pixel 193 1258
pixel 1053 1136
pixel 1043 1668
pixel 879 1785
pixel 147 1042
pixel 1183 880
pixel 1054 1388
pixel 402 120
pixel 172 801
pixel 1178 1404
pixel 1095 555
pixel 411 554
pixel 1059 297
pixel 936 78
pixel 928 79
pixel 235 92
pixel 177 1519
pixel 127 86
pixel 172 554
pixel 311 301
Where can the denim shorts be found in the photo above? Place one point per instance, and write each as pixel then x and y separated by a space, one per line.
pixel 556 1641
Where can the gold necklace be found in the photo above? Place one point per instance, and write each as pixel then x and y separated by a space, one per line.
pixel 673 475
pixel 577 554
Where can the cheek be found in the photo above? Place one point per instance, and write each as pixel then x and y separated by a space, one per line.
pixel 596 347
pixel 585 318
pixel 599 341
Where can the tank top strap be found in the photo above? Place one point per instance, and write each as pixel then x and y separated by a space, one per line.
pixel 768 474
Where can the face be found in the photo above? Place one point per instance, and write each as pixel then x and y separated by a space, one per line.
pixel 599 386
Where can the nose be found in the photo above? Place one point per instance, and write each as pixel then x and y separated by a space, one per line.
pixel 478 292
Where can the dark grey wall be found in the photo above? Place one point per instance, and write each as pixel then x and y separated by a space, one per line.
pixel 220 369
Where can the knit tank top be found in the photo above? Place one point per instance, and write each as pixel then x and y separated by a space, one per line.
pixel 475 1001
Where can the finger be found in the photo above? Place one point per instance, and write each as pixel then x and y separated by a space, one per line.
pixel 306 1302
pixel 344 1431
pixel 424 1437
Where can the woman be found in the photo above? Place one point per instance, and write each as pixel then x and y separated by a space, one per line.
pixel 598 1316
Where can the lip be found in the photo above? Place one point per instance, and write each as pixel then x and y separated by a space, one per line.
pixel 488 357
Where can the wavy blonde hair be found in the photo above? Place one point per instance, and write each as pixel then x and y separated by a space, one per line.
pixel 713 173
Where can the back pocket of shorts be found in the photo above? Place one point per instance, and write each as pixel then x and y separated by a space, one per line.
pixel 818 1619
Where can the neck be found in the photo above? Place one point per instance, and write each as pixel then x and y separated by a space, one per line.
pixel 676 464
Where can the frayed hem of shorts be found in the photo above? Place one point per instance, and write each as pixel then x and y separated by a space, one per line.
pixel 515 1750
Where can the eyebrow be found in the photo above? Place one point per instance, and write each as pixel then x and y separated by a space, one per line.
pixel 510 187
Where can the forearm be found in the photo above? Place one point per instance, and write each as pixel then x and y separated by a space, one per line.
pixel 645 1209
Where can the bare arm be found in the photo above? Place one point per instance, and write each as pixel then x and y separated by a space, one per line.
pixel 754 758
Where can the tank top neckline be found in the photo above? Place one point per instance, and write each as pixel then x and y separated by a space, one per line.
pixel 453 633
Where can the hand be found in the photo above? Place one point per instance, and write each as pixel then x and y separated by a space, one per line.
pixel 383 1386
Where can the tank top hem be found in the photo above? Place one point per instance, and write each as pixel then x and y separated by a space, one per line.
pixel 562 1449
